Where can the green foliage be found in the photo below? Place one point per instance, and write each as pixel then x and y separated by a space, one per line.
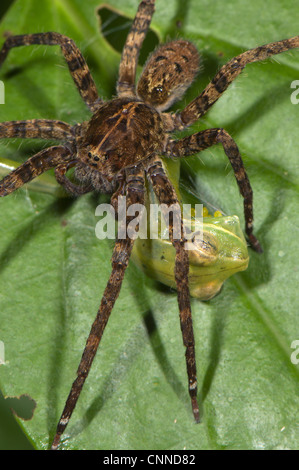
pixel 53 269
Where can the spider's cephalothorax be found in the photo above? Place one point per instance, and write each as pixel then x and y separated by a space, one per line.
pixel 121 133
pixel 121 144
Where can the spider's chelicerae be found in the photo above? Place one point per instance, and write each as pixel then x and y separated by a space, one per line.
pixel 121 145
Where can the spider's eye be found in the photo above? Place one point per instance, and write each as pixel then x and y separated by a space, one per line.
pixel 96 158
pixel 89 154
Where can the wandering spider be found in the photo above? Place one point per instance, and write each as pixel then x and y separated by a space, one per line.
pixel 120 144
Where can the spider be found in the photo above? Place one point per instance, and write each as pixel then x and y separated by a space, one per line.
pixel 121 145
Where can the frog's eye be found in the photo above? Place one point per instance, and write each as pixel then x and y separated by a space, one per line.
pixel 219 252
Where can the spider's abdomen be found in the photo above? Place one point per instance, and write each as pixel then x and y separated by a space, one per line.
pixel 169 71
pixel 121 133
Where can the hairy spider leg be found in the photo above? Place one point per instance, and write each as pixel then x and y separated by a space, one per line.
pixel 33 167
pixel 120 258
pixel 228 72
pixel 200 105
pixel 76 63
pixel 166 195
pixel 130 53
pixel 204 139
pixel 43 129
pixel 36 129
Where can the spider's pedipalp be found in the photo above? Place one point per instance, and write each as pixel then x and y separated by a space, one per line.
pixel 33 167
pixel 74 189
pixel 76 63
pixel 168 73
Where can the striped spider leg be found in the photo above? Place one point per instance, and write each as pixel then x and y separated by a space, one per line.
pixel 204 139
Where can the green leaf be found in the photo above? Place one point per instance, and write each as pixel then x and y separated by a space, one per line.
pixel 53 268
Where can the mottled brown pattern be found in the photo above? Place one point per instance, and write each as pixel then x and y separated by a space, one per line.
pixel 116 136
pixel 120 144
pixel 169 72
